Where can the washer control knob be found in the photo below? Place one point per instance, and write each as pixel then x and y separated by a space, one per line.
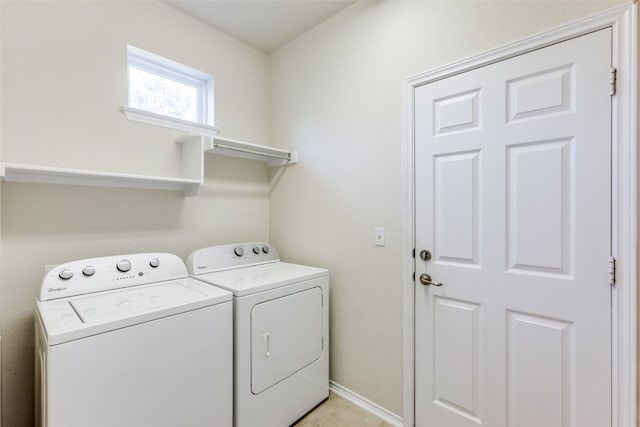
pixel 265 249
pixel 155 262
pixel 123 265
pixel 89 270
pixel 65 274
pixel 256 250
pixel 238 251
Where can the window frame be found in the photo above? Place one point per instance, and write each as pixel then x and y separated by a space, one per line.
pixel 171 70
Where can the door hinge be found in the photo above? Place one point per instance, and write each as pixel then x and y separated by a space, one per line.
pixel 612 80
pixel 612 271
pixel 414 253
pixel 414 276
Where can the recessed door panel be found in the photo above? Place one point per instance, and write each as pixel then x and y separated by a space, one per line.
pixel 455 361
pixel 456 218
pixel 457 112
pixel 540 366
pixel 541 94
pixel 286 336
pixel 540 206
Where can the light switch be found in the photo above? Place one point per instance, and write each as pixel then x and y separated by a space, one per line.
pixel 379 237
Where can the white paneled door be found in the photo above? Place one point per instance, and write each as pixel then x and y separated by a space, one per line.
pixel 513 203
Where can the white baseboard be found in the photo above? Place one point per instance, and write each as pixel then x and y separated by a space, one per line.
pixel 0 376
pixel 364 403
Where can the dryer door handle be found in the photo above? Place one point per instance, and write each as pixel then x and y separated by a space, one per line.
pixel 266 345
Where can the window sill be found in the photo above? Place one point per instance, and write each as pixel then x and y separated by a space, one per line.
pixel 192 128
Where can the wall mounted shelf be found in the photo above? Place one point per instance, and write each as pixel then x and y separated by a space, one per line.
pixel 272 156
pixel 12 172
pixel 192 180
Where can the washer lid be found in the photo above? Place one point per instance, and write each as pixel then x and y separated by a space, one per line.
pixel 111 306
pixel 68 319
pixel 249 280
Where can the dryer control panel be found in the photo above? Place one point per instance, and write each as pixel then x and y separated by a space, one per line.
pixel 101 274
pixel 226 257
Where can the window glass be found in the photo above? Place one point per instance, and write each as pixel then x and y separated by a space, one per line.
pixel 150 92
pixel 165 87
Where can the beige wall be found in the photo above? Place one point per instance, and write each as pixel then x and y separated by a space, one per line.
pixel 337 99
pixel 63 67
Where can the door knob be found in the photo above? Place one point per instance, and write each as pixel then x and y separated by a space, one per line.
pixel 425 279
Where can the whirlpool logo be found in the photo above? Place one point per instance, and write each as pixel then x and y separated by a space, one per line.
pixel 201 267
pixel 57 289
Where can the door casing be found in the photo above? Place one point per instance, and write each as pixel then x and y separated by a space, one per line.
pixel 623 20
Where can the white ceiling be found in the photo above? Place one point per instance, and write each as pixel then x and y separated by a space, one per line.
pixel 264 24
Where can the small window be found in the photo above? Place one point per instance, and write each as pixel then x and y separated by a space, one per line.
pixel 165 87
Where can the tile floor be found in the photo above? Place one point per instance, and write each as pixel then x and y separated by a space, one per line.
pixel 338 412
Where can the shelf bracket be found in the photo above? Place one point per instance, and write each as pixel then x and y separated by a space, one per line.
pixel 193 148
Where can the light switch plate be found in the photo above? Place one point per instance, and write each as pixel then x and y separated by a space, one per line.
pixel 379 236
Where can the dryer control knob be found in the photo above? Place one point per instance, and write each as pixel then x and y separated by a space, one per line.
pixel 265 249
pixel 123 265
pixel 65 274
pixel 256 250
pixel 89 270
pixel 154 262
pixel 238 251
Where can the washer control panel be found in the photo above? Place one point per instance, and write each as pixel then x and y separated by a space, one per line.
pixel 100 274
pixel 257 249
pixel 226 257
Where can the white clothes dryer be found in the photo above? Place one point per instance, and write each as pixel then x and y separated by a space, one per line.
pixel 132 341
pixel 281 324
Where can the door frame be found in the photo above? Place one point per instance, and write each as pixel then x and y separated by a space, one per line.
pixel 623 20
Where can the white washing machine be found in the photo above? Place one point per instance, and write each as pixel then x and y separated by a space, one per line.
pixel 281 324
pixel 132 341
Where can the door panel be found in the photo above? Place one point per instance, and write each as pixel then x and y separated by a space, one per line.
pixel 513 199
pixel 541 94
pixel 456 356
pixel 529 229
pixel 456 207
pixel 457 112
pixel 540 366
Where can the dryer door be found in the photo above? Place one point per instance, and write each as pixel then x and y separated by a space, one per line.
pixel 286 336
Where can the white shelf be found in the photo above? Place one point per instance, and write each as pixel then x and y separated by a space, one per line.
pixel 204 139
pixel 12 172
pixel 216 145
pixel 193 150
pixel 272 156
